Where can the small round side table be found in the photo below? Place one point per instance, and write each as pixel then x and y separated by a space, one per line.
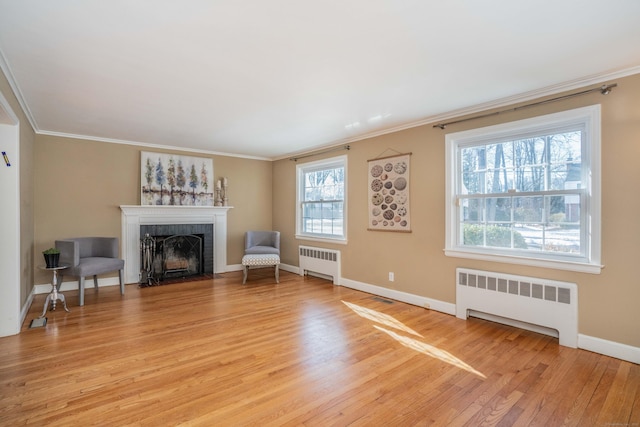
pixel 54 295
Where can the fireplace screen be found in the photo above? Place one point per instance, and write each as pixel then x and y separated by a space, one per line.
pixel 170 257
pixel 181 255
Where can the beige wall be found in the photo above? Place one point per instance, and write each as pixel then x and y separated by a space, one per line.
pixel 25 162
pixel 80 184
pixel 607 302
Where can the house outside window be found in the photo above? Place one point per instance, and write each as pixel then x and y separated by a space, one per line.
pixel 321 199
pixel 527 192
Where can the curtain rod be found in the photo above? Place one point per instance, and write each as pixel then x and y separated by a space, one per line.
pixel 315 153
pixel 604 90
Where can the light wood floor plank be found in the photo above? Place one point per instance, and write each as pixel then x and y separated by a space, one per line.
pixel 302 352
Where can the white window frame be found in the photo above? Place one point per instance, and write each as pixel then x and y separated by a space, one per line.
pixel 301 169
pixel 589 119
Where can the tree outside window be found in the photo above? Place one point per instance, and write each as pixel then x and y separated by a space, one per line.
pixel 321 198
pixel 527 191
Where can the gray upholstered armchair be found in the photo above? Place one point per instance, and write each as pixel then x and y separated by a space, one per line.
pixel 261 249
pixel 262 242
pixel 90 256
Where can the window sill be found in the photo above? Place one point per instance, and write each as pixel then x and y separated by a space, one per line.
pixel 543 263
pixel 321 239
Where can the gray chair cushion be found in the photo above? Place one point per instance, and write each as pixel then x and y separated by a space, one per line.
pixel 92 266
pixel 259 250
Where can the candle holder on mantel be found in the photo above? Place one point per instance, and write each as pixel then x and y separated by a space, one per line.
pixel 218 199
pixel 225 199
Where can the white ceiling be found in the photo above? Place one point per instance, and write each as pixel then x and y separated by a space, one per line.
pixel 269 78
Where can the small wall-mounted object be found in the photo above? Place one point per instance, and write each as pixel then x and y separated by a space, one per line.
pixel 6 158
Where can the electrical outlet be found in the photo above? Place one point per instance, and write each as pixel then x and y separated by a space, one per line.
pixel 391 276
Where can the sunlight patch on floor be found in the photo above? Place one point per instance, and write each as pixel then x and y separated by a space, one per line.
pixel 431 351
pixel 379 317
pixel 409 342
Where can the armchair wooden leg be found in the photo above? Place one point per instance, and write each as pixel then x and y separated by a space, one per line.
pixel 95 281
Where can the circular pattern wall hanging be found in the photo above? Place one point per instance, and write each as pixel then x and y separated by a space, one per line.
pixel 388 180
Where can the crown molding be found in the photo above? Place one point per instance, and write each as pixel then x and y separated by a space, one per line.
pixel 149 145
pixel 535 94
pixel 6 69
pixel 478 108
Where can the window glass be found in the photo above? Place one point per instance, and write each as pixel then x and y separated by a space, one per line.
pixel 321 198
pixel 523 190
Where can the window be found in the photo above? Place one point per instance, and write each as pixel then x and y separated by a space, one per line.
pixel 527 192
pixel 321 199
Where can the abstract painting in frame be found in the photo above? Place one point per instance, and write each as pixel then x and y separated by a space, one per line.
pixel 388 180
pixel 170 179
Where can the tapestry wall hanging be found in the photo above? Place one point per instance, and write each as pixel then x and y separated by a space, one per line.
pixel 389 193
pixel 170 179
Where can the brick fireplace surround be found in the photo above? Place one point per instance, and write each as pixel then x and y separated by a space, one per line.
pixel 135 216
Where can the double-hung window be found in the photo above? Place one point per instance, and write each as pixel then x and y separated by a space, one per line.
pixel 527 192
pixel 321 199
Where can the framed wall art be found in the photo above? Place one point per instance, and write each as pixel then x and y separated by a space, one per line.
pixel 389 193
pixel 170 179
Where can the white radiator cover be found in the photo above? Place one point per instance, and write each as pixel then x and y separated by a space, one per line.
pixel 319 260
pixel 537 301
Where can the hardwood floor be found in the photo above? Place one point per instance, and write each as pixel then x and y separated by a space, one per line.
pixel 303 352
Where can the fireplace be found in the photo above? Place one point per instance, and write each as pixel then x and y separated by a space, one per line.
pixel 178 250
pixel 190 220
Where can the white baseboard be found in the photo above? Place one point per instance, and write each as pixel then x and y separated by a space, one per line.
pixel 609 348
pixel 412 299
pixel 233 267
pixel 26 306
pixel 290 268
pixel 73 285
pixel 387 293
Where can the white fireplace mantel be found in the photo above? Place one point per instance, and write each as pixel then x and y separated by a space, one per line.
pixel 135 216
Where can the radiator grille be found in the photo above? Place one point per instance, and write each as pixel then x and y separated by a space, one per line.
pixel 516 286
pixel 319 253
